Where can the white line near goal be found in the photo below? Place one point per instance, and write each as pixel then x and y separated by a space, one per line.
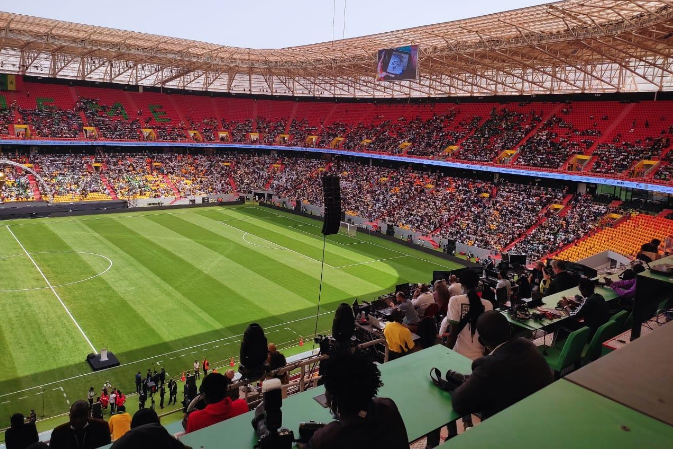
pixel 52 289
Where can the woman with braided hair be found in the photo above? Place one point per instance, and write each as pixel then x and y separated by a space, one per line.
pixel 463 313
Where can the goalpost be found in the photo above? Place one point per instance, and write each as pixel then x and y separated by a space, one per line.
pixel 348 229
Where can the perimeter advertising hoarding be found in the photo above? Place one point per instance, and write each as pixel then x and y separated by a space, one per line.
pixel 396 64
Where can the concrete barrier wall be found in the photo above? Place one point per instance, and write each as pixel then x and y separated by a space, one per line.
pixel 173 201
pixel 604 259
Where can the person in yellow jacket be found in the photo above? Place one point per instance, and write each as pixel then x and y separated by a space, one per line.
pixel 120 423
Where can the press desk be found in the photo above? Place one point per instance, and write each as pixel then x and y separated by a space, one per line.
pixel 565 415
pixel 423 406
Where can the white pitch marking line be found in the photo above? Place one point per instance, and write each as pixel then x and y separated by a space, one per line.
pixel 291 330
pixel 21 398
pixel 280 247
pixel 53 290
pixel 63 284
pixel 370 243
pixel 371 261
pixel 229 338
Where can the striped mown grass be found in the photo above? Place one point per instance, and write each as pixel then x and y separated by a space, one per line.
pixel 161 289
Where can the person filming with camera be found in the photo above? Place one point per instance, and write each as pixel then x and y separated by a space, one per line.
pixel 363 420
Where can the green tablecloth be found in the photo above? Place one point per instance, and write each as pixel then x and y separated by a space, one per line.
pixel 565 415
pixel 406 380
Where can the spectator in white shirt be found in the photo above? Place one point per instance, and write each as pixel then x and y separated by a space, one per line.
pixel 455 287
pixel 422 299
pixel 463 313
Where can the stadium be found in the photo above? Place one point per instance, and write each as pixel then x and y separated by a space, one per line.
pixel 490 196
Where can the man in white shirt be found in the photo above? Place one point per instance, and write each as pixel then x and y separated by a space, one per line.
pixel 455 287
pixel 422 299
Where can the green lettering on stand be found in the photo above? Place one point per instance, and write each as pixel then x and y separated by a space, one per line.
pixel 41 102
pixel 117 110
pixel 158 113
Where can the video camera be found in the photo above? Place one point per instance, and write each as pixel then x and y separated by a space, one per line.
pixel 324 343
pixel 268 418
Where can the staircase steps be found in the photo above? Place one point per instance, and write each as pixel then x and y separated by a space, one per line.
pixel 109 188
pixel 34 187
pixel 233 184
pixel 173 187
pixel 539 125
pixel 608 131
pixel 290 118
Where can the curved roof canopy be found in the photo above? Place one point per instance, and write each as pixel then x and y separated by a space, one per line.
pixel 570 46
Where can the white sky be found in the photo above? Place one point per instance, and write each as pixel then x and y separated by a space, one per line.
pixel 262 24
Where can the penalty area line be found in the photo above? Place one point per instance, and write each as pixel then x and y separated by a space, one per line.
pixel 52 289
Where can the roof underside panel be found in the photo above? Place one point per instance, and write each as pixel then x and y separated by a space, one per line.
pixel 570 46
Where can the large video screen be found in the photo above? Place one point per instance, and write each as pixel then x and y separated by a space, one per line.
pixel 395 64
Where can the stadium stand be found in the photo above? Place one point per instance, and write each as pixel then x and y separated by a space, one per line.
pixel 543 135
pixel 624 238
pixel 500 216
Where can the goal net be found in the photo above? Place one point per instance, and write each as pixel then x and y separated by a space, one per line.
pixel 348 229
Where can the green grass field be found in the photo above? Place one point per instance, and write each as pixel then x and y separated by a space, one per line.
pixel 161 289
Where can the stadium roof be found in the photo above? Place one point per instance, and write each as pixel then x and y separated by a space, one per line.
pixel 570 46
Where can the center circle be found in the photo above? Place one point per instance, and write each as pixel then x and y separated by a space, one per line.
pixel 6 260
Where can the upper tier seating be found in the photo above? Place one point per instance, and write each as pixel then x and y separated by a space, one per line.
pixel 544 135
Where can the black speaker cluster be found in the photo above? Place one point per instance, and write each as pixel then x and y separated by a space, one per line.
pixel 332 204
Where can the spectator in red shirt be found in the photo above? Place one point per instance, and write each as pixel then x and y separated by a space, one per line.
pixel 205 366
pixel 219 406
pixel 104 401
pixel 120 399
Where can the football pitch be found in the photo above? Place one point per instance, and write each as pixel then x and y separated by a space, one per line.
pixel 163 288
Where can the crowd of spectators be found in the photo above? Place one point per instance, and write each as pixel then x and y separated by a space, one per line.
pixel 134 175
pixel 270 129
pixel 503 130
pixel 69 175
pixel 207 127
pixel 115 128
pixel 616 158
pixel 554 143
pixel 299 130
pixel 17 187
pixel 485 214
pixel 495 220
pixel 665 171
pixel 478 138
pixel 330 132
pixel 558 230
pixel 6 119
pixel 49 121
